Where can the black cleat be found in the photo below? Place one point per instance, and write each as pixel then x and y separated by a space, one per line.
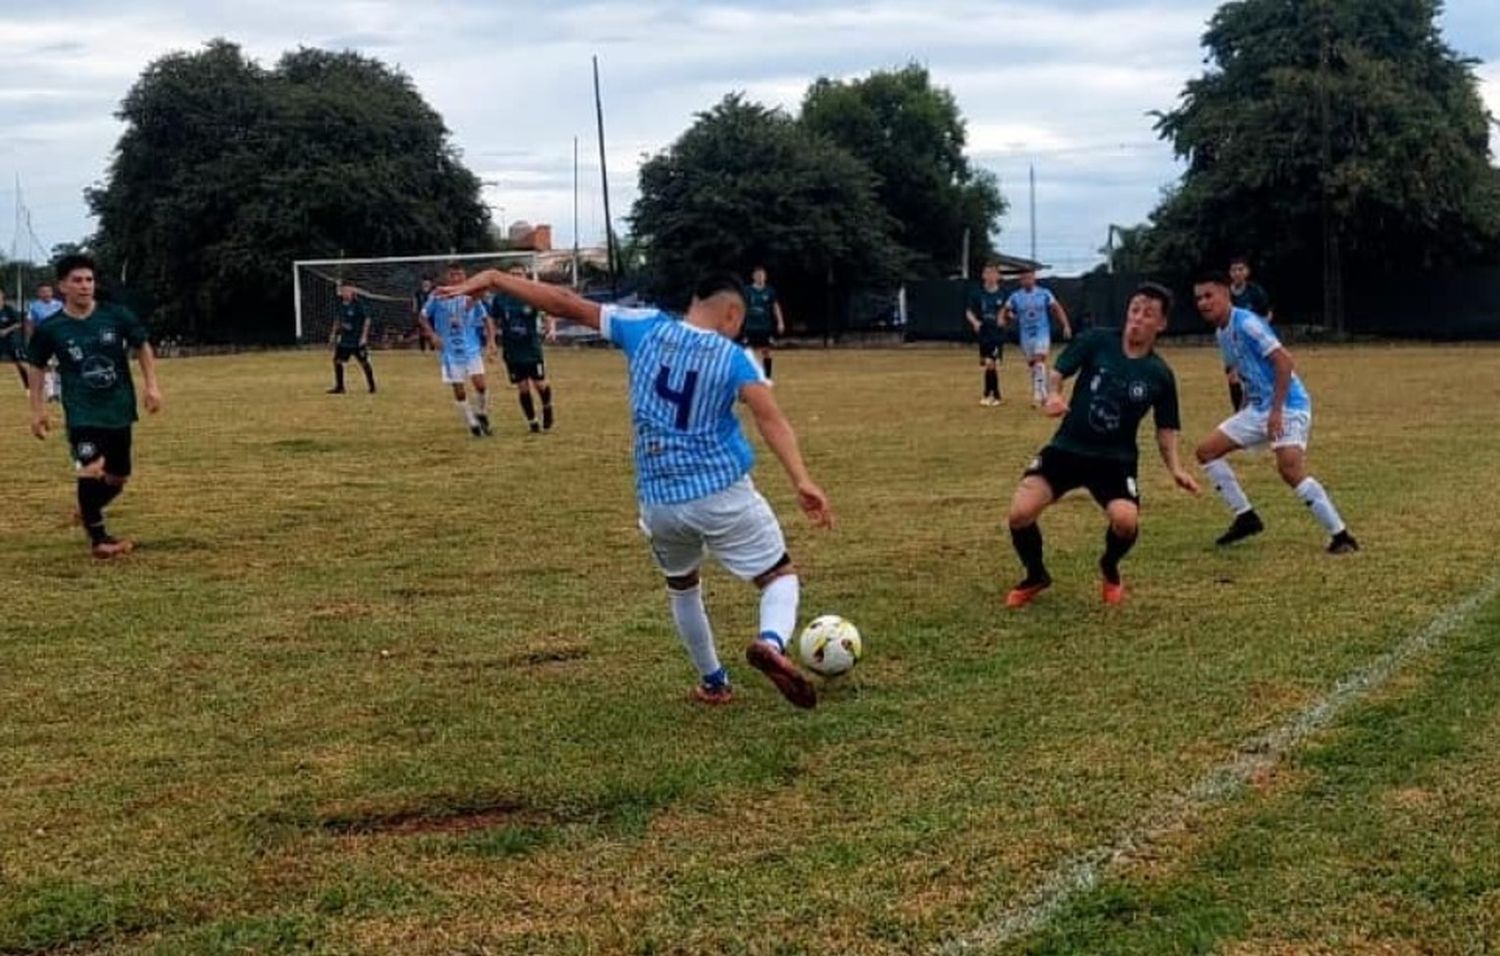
pixel 1244 526
pixel 476 431
pixel 535 428
pixel 334 391
pixel 547 419
pixel 1343 543
pixel 484 425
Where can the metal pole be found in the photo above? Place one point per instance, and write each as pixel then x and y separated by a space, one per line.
pixel 297 298
pixel 575 212
pixel 1032 169
pixel 609 229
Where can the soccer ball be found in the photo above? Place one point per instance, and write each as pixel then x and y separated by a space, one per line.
pixel 830 646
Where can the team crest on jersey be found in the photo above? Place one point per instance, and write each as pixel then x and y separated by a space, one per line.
pixel 107 337
pixel 87 451
pixel 1138 391
pixel 75 352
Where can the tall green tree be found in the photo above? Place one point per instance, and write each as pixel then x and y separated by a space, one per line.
pixel 1352 115
pixel 747 185
pixel 227 172
pixel 912 135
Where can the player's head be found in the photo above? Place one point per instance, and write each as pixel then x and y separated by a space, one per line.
pixel 427 283
pixel 454 273
pixel 758 275
pixel 1146 315
pixel 1028 279
pixel 75 276
pixel 991 273
pixel 44 291
pixel 1239 270
pixel 346 291
pixel 1211 296
pixel 516 269
pixel 719 303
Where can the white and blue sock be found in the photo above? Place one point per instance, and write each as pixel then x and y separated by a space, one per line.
pixel 1317 500
pixel 778 610
pixel 697 634
pixel 466 412
pixel 1228 486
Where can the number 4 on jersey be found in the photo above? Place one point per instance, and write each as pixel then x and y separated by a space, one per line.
pixel 682 398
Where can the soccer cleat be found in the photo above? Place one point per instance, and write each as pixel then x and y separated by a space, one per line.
pixel 111 548
pixel 713 696
pixel 484 424
pixel 766 658
pixel 547 418
pixel 535 428
pixel 1244 526
pixel 334 391
pixel 476 431
pixel 1025 592
pixel 1113 592
pixel 1343 543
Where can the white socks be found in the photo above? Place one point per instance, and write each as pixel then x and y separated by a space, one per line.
pixel 693 627
pixel 481 402
pixel 1219 472
pixel 1039 382
pixel 778 609
pixel 1317 500
pixel 465 412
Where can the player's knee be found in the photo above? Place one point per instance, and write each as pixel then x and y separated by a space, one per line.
pixel 1124 521
pixel 682 582
pixel 1023 514
pixel 1205 453
pixel 780 569
pixel 1292 471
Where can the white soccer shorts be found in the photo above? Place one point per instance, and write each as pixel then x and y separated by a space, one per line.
pixel 1034 345
pixel 735 526
pixel 1247 428
pixel 458 371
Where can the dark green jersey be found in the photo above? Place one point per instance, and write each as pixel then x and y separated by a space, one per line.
pixel 350 320
pixel 10 321
pixel 1251 297
pixel 760 309
pixel 985 306
pixel 516 321
pixel 1112 395
pixel 93 359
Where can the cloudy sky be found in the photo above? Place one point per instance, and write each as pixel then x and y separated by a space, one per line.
pixel 1064 86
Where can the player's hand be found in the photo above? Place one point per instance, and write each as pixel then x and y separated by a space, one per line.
pixel 1068 334
pixel 153 400
pixel 1055 406
pixel 1186 482
pixel 1275 425
pixel 41 425
pixel 550 337
pixel 814 504
pixel 435 341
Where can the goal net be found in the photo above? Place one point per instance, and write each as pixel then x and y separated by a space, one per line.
pixel 390 289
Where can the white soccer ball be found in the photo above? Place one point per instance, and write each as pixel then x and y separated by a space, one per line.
pixel 830 646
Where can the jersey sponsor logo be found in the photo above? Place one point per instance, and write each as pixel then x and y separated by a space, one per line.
pixel 1138 391
pixel 107 337
pixel 1104 415
pixel 99 372
pixel 75 352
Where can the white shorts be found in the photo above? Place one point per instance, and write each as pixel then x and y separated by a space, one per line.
pixel 457 371
pixel 736 526
pixel 1247 428
pixel 1033 345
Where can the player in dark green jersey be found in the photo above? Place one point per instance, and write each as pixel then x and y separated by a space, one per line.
pixel 763 318
pixel 13 339
pixel 984 311
pixel 91 342
pixel 1120 379
pixel 350 337
pixel 521 346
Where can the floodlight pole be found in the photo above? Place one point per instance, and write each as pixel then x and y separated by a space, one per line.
pixel 609 229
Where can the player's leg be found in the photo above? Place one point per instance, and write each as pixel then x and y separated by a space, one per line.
pixel 481 397
pixel 1036 492
pixel 678 552
pixel 455 379
pixel 1291 463
pixel 104 463
pixel 989 355
pixel 765 357
pixel 363 357
pixel 742 533
pixel 544 390
pixel 1124 528
pixel 339 358
pixel 520 379
pixel 25 379
pixel 1244 429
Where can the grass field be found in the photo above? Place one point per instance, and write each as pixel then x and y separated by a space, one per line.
pixel 372 686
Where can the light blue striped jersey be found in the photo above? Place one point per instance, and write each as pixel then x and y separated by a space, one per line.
pixel 460 323
pixel 1033 310
pixel 1246 343
pixel 684 382
pixel 40 311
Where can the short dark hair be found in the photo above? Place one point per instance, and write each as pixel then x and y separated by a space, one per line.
pixel 68 263
pixel 454 264
pixel 716 283
pixel 1157 291
pixel 1212 276
pixel 1240 261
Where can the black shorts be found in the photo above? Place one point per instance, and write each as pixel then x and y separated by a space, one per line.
pixel 111 444
pixel 990 347
pixel 1107 479
pixel 344 353
pixel 521 371
pixel 758 339
pixel 14 347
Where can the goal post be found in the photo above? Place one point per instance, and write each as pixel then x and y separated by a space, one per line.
pixel 389 287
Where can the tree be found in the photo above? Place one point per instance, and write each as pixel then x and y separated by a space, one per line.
pixel 910 133
pixel 746 185
pixel 1349 121
pixel 227 172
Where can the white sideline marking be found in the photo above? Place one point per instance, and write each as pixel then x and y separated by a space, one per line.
pixel 1081 873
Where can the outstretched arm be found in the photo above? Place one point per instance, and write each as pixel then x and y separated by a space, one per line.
pixel 1166 444
pixel 551 299
pixel 777 431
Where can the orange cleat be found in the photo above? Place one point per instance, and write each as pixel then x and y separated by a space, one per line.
pixel 713 696
pixel 779 668
pixel 1026 592
pixel 112 548
pixel 1113 594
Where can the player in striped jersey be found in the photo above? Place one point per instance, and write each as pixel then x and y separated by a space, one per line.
pixel 693 464
pixel 462 332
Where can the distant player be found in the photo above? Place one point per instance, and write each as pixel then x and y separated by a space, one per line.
pixel 984 311
pixel 460 330
pixel 13 339
pixel 1246 294
pixel 1277 412
pixel 1120 379
pixel 763 317
pixel 1034 307
pixel 418 302
pixel 91 342
pixel 521 346
pixel 350 338
pixel 42 308
pixel 693 463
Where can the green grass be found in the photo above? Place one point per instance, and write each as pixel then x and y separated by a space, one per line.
pixel 371 686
